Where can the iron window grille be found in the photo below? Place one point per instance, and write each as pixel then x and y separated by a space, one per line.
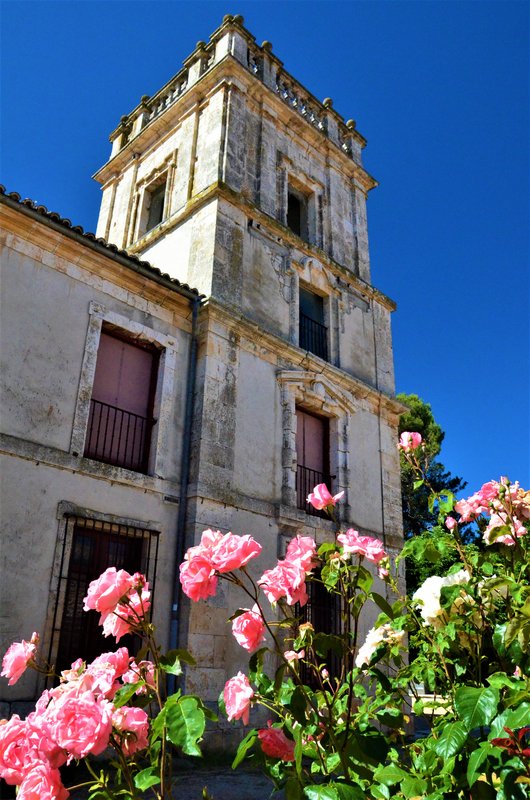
pixel 306 480
pixel 324 611
pixel 89 547
pixel 118 437
pixel 313 336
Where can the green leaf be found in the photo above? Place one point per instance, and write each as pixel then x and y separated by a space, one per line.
pixel 347 792
pixel 476 707
pixel 451 741
pixel 414 787
pixel 512 718
pixel 476 758
pixel 321 793
pixel 383 604
pixel 185 725
pixel 389 775
pixel 392 717
pixel 124 694
pixel 171 662
pixel 244 746
pixel 416 485
pixel 146 778
pixel 298 705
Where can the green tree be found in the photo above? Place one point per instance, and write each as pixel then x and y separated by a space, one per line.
pixel 417 518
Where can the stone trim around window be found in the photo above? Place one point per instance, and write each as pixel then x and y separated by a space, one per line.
pixel 164 394
pixel 312 391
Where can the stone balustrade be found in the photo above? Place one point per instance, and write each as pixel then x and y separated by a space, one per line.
pixel 233 39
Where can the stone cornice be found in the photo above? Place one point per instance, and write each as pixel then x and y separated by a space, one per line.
pixel 54 239
pixel 272 228
pixel 362 392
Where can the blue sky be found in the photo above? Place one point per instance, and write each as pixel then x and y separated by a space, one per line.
pixel 440 89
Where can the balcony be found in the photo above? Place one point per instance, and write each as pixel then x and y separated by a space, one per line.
pixel 313 336
pixel 306 480
pixel 118 437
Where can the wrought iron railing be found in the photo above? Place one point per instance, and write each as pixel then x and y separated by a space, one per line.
pixel 118 437
pixel 306 480
pixel 324 611
pixel 313 336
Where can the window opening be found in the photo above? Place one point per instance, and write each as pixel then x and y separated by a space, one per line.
pixel 313 334
pixel 121 409
pixel 94 546
pixel 156 207
pixel 324 611
pixel 312 456
pixel 297 213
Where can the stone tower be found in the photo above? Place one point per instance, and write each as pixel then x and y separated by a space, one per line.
pixel 235 179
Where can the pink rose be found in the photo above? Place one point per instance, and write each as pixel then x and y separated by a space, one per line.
pixel 409 440
pixel 237 696
pixel 233 552
pixel 198 578
pixel 133 725
pixel 105 592
pixel 275 743
pixel 249 629
pixel 292 655
pixel 210 538
pixel 450 523
pixel 17 658
pixel 500 520
pixel 81 724
pixel 41 738
pixel 141 670
pixel 105 671
pixel 16 750
pixel 126 617
pixel 301 551
pixel 366 546
pixel 321 498
pixel 42 782
pixel 285 580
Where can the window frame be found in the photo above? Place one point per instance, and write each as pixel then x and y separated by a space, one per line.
pixel 68 515
pixel 105 456
pixel 162 409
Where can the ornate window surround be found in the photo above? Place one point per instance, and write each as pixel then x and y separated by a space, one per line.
pixel 314 392
pixel 164 172
pixel 99 314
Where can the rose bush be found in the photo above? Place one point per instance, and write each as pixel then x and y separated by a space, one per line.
pixel 433 702
pixel 116 704
pixel 452 660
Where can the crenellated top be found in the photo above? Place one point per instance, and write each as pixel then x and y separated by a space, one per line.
pixel 233 39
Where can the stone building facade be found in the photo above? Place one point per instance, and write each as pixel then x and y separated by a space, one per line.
pixel 236 180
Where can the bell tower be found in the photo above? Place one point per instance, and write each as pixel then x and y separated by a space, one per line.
pixel 236 180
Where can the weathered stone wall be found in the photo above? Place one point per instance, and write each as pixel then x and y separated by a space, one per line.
pixel 55 292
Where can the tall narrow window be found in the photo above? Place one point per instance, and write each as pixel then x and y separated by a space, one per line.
pixel 297 220
pixel 156 199
pixel 121 409
pixel 94 546
pixel 324 611
pixel 313 332
pixel 312 455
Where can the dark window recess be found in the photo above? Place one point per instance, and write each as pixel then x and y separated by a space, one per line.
pixel 294 213
pixel 312 455
pixel 89 548
pixel 313 334
pixel 324 611
pixel 297 220
pixel 156 207
pixel 121 409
